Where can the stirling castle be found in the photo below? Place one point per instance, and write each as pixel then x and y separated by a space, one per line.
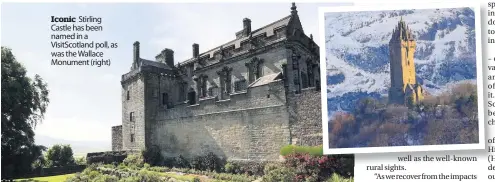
pixel 242 100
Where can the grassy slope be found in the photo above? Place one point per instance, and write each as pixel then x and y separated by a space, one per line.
pixel 58 178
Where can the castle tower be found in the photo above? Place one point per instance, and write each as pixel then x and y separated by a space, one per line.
pixel 404 88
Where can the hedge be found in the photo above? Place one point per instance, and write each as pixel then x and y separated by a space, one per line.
pixel 294 149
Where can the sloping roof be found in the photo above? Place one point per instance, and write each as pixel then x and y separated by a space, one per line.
pixel 145 62
pixel 265 80
pixel 268 30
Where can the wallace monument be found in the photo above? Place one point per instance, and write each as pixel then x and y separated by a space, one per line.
pixel 404 87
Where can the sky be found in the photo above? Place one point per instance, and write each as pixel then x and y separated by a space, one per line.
pixel 85 102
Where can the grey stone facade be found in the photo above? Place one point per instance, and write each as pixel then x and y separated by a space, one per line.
pixel 243 100
pixel 117 138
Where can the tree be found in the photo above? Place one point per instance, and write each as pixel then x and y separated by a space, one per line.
pixel 60 155
pixel 24 102
pixel 81 161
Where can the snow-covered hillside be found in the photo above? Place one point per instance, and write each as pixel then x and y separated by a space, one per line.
pixel 358 57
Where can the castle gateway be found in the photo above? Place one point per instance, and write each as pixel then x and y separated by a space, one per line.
pixel 242 100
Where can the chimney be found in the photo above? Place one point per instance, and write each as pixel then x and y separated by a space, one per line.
pixel 169 57
pixel 160 57
pixel 135 58
pixel 195 50
pixel 247 26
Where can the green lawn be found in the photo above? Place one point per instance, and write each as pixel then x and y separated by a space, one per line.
pixel 59 178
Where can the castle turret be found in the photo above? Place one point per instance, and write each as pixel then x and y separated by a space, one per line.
pixel 404 86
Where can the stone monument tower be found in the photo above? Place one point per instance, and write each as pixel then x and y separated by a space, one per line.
pixel 404 88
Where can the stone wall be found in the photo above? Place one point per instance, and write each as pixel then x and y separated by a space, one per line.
pixel 272 63
pixel 248 124
pixel 52 171
pixel 253 125
pixel 306 124
pixel 135 104
pixel 117 138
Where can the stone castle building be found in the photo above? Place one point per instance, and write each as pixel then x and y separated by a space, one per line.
pixel 404 87
pixel 242 100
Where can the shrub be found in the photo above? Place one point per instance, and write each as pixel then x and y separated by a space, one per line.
pixel 231 177
pixel 231 168
pixel 145 175
pixel 89 174
pixel 181 162
pixel 168 161
pixel 134 161
pixel 337 178
pixel 293 149
pixel 212 162
pixel 209 162
pixel 248 167
pixel 196 162
pixel 152 155
pixel 318 168
pixel 105 178
pixel 80 161
pixel 277 172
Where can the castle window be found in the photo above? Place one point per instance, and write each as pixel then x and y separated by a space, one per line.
pixel 255 69
pixel 191 70
pixel 225 82
pixel 203 86
pixel 131 117
pixel 164 99
pixel 132 138
pixel 128 95
pixel 259 70
pixel 182 92
pixel 309 68
pixel 191 96
pixel 212 91
pixel 304 79
pixel 297 82
pixel 240 85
